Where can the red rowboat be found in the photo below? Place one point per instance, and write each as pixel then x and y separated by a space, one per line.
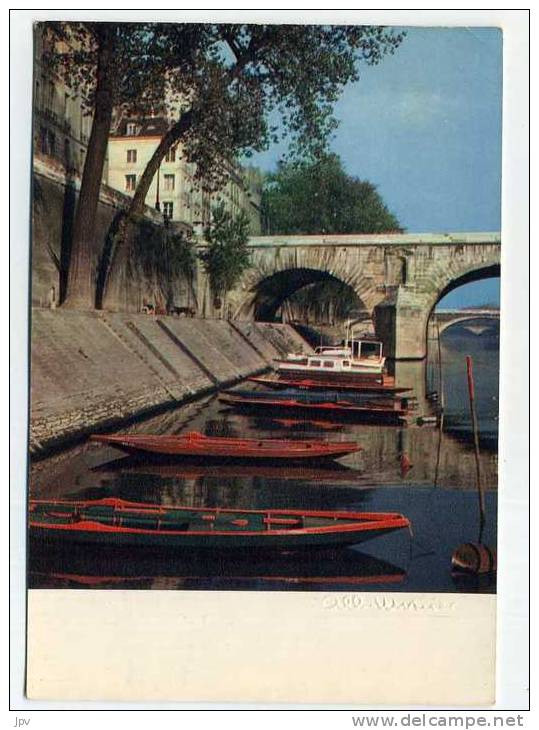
pixel 195 444
pixel 385 384
pixel 116 522
pixel 394 409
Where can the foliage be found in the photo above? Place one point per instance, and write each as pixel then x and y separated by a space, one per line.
pixel 226 256
pixel 319 197
pixel 327 302
pixel 246 77
pixel 224 86
pixel 142 55
pixel 162 253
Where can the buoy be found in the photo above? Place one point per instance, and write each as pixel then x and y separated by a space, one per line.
pixel 405 464
pixel 475 558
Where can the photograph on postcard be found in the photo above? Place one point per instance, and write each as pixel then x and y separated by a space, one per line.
pixel 265 307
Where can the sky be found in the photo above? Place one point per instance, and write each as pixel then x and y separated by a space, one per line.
pixel 425 127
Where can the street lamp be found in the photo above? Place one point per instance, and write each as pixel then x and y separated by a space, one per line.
pixel 157 203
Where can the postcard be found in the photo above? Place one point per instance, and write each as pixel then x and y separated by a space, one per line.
pixel 264 362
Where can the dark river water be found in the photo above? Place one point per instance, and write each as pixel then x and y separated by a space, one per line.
pixel 423 472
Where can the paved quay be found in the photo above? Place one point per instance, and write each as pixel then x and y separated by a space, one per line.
pixel 92 371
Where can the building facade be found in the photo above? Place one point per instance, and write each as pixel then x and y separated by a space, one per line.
pixel 173 189
pixel 61 125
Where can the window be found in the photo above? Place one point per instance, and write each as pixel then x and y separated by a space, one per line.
pixel 371 350
pixel 171 155
pixel 43 141
pixel 130 182
pixel 131 155
pixel 51 143
pixel 346 363
pixel 131 129
pixel 168 208
pixel 328 363
pixel 169 182
pixel 315 363
pixel 50 96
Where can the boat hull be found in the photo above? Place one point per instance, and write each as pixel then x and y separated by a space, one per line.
pixel 210 542
pixel 119 523
pixel 386 386
pixel 340 410
pixel 366 373
pixel 266 451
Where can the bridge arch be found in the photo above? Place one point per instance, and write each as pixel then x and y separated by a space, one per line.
pixel 271 292
pixel 455 277
pixel 451 280
pixel 270 281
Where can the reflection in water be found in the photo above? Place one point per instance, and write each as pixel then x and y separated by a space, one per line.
pixel 128 570
pixel 416 470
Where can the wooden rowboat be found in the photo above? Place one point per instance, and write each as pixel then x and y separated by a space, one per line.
pixel 386 384
pixel 391 407
pixel 117 522
pixel 196 445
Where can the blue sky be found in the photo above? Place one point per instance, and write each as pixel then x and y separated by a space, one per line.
pixel 425 127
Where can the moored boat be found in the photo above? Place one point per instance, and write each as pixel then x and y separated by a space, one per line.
pixel 114 521
pixel 197 445
pixel 383 384
pixel 358 358
pixel 335 403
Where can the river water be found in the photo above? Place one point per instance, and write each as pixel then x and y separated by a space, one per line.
pixel 425 473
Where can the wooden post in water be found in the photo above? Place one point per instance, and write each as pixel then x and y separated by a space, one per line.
pixel 441 399
pixel 470 557
pixel 441 405
pixel 471 392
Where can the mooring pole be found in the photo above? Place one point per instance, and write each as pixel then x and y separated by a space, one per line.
pixel 471 392
pixel 441 405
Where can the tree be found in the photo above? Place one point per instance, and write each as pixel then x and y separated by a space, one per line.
pixel 319 197
pixel 220 85
pixel 110 65
pixel 324 302
pixel 226 256
pixel 239 76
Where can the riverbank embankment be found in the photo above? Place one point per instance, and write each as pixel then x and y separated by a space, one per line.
pixel 93 371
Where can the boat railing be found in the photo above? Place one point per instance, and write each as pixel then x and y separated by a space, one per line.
pixel 324 350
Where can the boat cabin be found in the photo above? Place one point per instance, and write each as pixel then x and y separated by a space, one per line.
pixel 355 355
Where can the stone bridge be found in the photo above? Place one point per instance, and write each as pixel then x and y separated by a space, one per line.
pixel 398 278
pixel 444 318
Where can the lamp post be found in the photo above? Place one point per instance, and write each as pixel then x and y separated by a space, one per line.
pixel 157 203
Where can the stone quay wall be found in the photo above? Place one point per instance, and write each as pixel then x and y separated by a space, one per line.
pixel 54 198
pixel 92 371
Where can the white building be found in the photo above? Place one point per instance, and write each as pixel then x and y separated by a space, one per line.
pixel 173 189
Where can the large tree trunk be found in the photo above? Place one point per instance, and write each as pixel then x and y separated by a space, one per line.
pixel 80 290
pixel 120 255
